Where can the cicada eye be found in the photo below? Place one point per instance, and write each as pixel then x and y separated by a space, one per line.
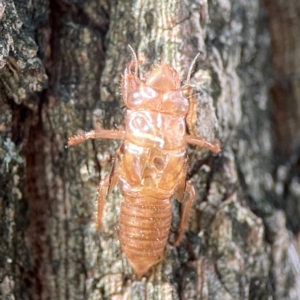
pixel 147 92
pixel 134 99
pixel 143 98
pixel 175 103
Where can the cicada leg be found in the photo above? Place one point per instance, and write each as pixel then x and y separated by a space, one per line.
pixel 202 142
pixel 181 185
pixel 101 200
pixel 96 134
pixel 105 188
pixel 185 215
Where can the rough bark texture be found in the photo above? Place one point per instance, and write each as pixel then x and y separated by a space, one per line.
pixel 61 63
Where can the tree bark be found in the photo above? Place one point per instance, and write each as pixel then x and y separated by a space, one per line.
pixel 61 64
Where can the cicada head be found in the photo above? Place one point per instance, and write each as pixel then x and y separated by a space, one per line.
pixel 163 78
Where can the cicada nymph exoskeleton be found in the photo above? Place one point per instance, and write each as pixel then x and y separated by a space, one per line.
pixel 150 166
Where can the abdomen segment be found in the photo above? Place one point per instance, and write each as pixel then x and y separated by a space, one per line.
pixel 144 230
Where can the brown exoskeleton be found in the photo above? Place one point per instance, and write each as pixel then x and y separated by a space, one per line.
pixel 151 164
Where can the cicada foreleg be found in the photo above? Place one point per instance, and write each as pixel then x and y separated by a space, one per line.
pixel 96 134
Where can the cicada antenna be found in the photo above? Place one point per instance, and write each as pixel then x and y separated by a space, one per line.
pixel 135 59
pixel 188 79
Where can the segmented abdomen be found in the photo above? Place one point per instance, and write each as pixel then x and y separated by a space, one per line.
pixel 144 229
